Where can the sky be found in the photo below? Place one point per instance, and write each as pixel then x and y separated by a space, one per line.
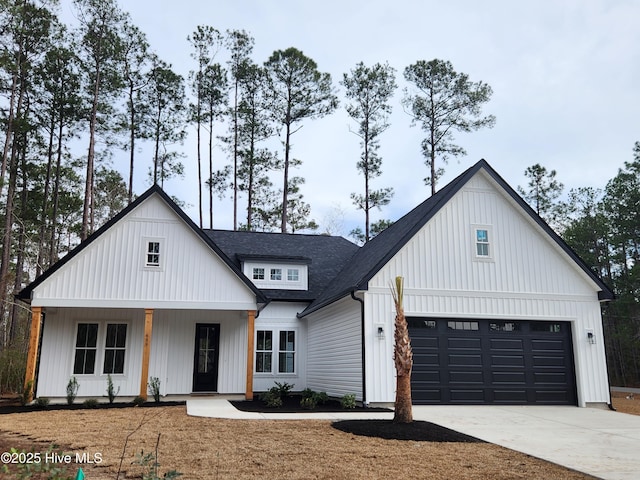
pixel 565 76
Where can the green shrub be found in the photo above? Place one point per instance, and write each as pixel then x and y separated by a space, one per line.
pixel 138 401
pixel 321 397
pixel 42 402
pixel 308 403
pixel 348 401
pixel 283 388
pixel 271 398
pixel 154 388
pixel 72 390
pixel 90 403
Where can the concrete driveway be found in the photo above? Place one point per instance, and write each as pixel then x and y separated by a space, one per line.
pixel 602 443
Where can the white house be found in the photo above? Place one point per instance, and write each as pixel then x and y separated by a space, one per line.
pixel 500 309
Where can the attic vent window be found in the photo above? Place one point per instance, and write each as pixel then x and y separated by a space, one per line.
pixel 153 254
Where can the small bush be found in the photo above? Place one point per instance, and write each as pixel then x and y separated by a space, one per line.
pixel 348 401
pixel 321 397
pixel 154 388
pixel 138 401
pixel 111 391
pixel 308 403
pixel 271 398
pixel 90 403
pixel 42 402
pixel 283 388
pixel 72 390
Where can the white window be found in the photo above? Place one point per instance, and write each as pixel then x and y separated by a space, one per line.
pixel 112 339
pixel 84 362
pixel 276 274
pixel 287 351
pixel 271 360
pixel 114 348
pixel 258 273
pixel 264 351
pixel 293 275
pixel 153 254
pixel 483 242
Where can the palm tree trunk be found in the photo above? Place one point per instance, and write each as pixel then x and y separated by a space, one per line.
pixel 402 357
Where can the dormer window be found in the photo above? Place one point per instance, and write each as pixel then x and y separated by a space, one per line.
pixel 276 274
pixel 258 273
pixel 285 274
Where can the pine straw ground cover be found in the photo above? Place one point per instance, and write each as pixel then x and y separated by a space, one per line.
pixel 204 448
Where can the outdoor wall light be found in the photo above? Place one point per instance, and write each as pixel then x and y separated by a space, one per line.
pixel 380 332
pixel 591 338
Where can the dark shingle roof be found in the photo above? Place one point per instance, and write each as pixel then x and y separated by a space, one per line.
pixel 324 255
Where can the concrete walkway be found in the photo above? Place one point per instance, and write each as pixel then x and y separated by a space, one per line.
pixel 601 443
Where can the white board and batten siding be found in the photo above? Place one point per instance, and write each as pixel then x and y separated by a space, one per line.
pixel 110 272
pixel 334 351
pixel 172 351
pixel 277 317
pixel 528 277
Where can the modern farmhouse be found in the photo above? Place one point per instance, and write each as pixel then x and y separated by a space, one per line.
pixel 500 309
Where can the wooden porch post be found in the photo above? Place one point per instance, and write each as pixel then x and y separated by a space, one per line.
pixel 251 321
pixel 146 351
pixel 32 355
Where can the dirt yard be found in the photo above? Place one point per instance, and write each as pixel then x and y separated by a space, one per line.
pixel 203 448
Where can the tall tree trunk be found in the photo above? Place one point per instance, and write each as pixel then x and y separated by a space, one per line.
pixel 132 140
pixel 9 132
pixel 285 185
pixel 53 252
pixel 211 168
pixel 87 210
pixel 45 197
pixel 198 122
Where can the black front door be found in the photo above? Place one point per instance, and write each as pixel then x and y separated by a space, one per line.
pixel 205 370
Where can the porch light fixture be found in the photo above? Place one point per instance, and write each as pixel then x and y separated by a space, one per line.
pixel 591 338
pixel 380 332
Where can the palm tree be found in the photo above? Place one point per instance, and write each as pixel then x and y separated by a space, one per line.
pixel 402 356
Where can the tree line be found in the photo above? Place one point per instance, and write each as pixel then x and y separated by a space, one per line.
pixel 603 227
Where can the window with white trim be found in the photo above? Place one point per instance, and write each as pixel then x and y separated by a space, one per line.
pixel 276 274
pixel 287 351
pixel 152 254
pixel 115 348
pixel 84 362
pixel 272 358
pixel 258 273
pixel 264 351
pixel 482 242
pixel 293 275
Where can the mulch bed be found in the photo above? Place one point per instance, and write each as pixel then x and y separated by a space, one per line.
pixel 291 404
pixel 13 406
pixel 417 431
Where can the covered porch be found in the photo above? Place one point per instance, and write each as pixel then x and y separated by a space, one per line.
pixel 191 351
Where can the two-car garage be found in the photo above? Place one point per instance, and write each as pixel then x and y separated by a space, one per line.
pixel 461 361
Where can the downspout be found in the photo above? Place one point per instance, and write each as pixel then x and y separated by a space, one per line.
pixel 364 378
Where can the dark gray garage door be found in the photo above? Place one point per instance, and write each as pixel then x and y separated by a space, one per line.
pixel 491 362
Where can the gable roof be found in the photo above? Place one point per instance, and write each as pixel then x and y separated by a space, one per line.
pixel 324 256
pixel 25 293
pixel 377 252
